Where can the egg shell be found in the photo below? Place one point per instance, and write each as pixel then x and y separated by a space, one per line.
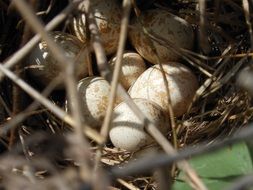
pixel 245 78
pixel 147 151
pixel 165 25
pixel 132 67
pixel 108 16
pixel 127 131
pixel 43 67
pixel 94 93
pixel 182 85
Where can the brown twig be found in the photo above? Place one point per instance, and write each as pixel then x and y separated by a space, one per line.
pixel 118 63
pixel 18 94
pixel 191 174
pixel 21 53
pixel 70 81
pixel 150 127
pixel 53 108
pixel 122 40
pixel 14 121
pixel 246 9
pixel 202 35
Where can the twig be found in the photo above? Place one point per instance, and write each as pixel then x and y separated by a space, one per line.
pixel 118 63
pixel 219 83
pixel 147 164
pixel 56 110
pixel 101 60
pixel 70 81
pixel 127 185
pixel 150 127
pixel 96 42
pixel 186 54
pixel 29 172
pixel 165 81
pixel 191 174
pixel 207 83
pixel 22 115
pixel 203 40
pixel 122 40
pixel 163 178
pixel 246 9
pixel 6 107
pixel 16 57
pixel 18 94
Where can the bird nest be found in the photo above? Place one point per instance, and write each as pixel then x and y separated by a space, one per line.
pixel 37 147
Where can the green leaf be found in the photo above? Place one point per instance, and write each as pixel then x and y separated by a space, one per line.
pixel 219 169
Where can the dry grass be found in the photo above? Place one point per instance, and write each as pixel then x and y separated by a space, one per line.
pixel 44 147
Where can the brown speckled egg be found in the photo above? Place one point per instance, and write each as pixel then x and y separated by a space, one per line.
pixel 43 67
pixel 165 25
pixel 132 67
pixel 108 17
pixel 127 131
pixel 182 85
pixel 94 93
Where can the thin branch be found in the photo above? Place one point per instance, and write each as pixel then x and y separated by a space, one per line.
pixel 122 40
pixel 246 9
pixel 192 176
pixel 149 125
pixel 13 122
pixel 118 63
pixel 45 102
pixel 202 36
pixel 161 160
pixel 96 42
pixel 21 53
pixel 70 81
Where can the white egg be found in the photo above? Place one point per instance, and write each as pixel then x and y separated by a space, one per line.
pixel 165 25
pixel 108 17
pixel 182 85
pixel 43 67
pixel 127 131
pixel 132 67
pixel 94 93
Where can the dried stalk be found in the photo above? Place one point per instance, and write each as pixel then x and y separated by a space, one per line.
pixel 150 127
pixel 16 57
pixel 161 160
pixel 117 69
pixel 45 102
pixel 70 81
pixel 33 106
pixel 193 178
pixel 246 9
pixel 18 94
pixel 202 37
pixel 119 56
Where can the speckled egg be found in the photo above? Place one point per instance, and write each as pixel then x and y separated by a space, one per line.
pixel 94 93
pixel 108 17
pixel 127 131
pixel 182 85
pixel 43 67
pixel 162 24
pixel 132 67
